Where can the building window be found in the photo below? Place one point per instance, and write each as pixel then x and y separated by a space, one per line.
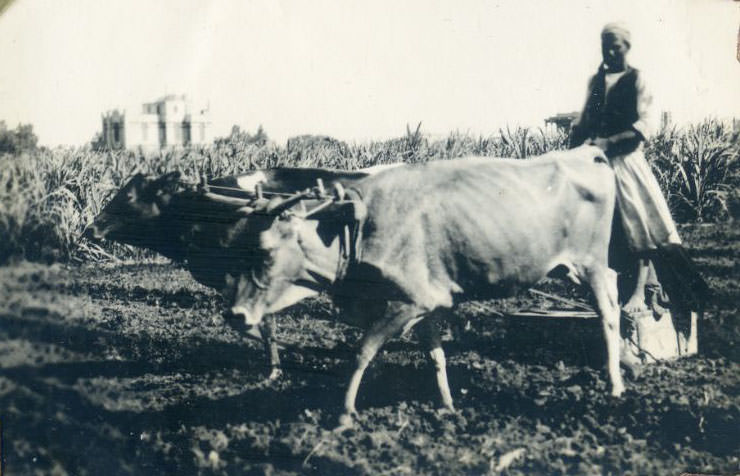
pixel 162 134
pixel 116 133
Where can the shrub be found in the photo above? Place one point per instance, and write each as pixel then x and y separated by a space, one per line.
pixel 22 139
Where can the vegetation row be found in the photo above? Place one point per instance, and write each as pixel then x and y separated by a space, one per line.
pixel 49 196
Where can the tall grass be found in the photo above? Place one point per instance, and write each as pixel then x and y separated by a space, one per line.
pixel 48 197
pixel 698 169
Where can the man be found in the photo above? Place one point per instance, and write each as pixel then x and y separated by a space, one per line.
pixel 617 118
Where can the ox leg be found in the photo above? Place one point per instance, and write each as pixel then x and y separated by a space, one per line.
pixel 430 339
pixel 396 318
pixel 267 329
pixel 604 286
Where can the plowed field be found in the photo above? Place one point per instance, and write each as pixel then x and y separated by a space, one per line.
pixel 129 369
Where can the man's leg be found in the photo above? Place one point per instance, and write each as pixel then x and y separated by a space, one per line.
pixel 636 301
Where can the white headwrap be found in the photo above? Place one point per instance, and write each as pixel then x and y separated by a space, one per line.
pixel 618 30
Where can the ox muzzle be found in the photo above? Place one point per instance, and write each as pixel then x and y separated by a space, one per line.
pixel 241 314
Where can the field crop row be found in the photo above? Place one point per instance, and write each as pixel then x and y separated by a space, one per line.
pixel 48 197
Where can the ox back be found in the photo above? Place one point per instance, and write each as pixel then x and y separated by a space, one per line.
pixel 482 227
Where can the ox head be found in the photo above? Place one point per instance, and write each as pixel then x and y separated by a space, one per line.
pixel 137 204
pixel 298 256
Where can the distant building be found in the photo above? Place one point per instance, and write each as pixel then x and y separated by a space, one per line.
pixel 169 122
pixel 562 120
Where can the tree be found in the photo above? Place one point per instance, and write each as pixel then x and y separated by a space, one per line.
pixel 260 137
pixel 238 138
pixel 22 139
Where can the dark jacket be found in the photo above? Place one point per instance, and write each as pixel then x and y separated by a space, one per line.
pixel 623 108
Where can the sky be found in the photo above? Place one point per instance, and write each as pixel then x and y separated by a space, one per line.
pixel 353 70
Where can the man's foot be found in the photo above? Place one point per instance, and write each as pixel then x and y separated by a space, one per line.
pixel 617 390
pixel 446 411
pixel 635 304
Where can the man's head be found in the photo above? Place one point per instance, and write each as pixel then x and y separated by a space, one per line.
pixel 615 43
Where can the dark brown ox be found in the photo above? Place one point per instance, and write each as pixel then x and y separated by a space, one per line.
pixel 416 239
pixel 194 227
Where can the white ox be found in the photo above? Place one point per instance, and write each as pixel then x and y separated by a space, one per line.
pixel 416 239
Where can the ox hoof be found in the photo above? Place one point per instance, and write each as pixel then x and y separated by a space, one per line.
pixel 446 412
pixel 346 422
pixel 275 375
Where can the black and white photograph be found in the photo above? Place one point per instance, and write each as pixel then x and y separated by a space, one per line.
pixel 280 237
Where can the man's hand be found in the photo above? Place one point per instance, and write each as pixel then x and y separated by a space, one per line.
pixel 599 142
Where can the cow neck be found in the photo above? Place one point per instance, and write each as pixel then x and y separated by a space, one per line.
pixel 334 264
pixel 318 274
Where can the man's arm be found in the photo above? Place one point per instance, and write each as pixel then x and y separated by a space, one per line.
pixel 622 143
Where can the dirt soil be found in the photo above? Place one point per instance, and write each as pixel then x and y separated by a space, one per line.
pixel 129 369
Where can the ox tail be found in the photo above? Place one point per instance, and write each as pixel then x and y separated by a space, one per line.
pixel 680 278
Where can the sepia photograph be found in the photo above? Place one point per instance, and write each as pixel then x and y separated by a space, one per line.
pixel 278 237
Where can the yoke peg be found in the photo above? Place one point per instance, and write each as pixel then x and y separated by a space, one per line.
pixel 339 191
